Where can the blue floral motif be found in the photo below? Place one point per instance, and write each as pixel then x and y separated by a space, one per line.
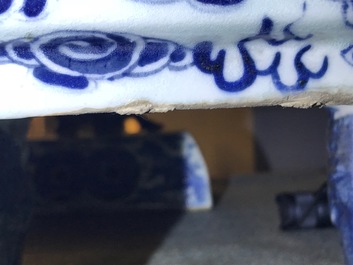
pixel 72 58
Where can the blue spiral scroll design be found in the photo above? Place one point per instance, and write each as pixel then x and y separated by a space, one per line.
pixel 72 58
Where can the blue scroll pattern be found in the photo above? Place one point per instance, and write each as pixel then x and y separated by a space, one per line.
pixel 72 59
pixel 215 67
pixel 30 8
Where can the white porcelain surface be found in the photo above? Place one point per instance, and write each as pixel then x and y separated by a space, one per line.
pixel 88 56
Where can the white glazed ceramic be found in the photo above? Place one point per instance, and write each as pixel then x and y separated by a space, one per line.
pixel 134 56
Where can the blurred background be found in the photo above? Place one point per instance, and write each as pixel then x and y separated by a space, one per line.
pixel 251 154
pixel 234 141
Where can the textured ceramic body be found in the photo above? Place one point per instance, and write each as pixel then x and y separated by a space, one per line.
pixel 157 55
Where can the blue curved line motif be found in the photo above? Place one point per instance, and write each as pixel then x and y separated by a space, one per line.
pixel 202 55
pixel 223 3
pixel 52 78
pixel 304 74
pixel 220 2
pixel 347 55
pixel 203 61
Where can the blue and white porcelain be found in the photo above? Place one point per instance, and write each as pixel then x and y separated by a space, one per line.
pixel 341 175
pixel 134 56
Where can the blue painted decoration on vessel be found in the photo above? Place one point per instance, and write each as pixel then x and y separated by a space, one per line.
pixel 33 8
pixel 30 8
pixel 72 59
pixel 223 3
pixel 347 54
pixel 347 10
pixel 5 5
pixel 215 67
pixel 340 178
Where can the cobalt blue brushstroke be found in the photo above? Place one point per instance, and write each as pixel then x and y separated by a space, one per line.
pixel 220 2
pixel 115 61
pixel 23 50
pixel 290 35
pixel 178 54
pixel 345 6
pixel 49 77
pixel 275 64
pixel 266 30
pixel 203 61
pixel 347 54
pixel 5 5
pixel 153 52
pixel 3 52
pixel 33 8
pixel 304 74
pixel 265 33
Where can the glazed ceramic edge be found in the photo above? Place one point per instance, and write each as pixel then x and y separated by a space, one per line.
pixel 136 56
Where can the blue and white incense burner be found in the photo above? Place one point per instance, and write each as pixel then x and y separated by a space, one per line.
pixel 137 56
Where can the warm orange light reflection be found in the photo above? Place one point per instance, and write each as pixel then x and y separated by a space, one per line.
pixel 132 126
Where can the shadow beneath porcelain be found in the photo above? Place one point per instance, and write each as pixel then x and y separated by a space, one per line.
pixel 106 198
pixel 121 237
